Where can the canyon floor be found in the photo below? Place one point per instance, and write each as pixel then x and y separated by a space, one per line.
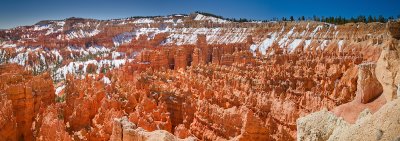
pixel 199 77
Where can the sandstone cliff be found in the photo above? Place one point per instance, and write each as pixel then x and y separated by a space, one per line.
pixel 195 77
pixel 373 114
pixel 25 94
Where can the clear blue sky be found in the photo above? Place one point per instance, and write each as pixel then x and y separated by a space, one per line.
pixel 27 12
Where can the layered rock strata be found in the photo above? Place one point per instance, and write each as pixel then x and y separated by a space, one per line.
pixel 26 95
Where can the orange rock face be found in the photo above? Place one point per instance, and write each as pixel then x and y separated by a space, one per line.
pixel 28 94
pixel 368 86
pixel 181 59
pixel 52 126
pixel 82 102
pixel 8 124
pixel 368 95
pixel 235 81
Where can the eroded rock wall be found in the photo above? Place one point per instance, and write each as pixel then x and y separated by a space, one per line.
pixel 373 114
pixel 28 94
pixel 192 79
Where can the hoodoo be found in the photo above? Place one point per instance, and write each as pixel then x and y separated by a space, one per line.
pixel 200 76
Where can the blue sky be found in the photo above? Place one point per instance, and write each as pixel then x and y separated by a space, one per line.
pixel 27 12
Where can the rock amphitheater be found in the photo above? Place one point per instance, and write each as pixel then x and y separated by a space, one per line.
pixel 197 77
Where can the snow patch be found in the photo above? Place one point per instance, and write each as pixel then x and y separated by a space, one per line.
pixel 200 17
pixel 59 89
pixel 292 46
pixel 106 80
pixel 267 43
pixel 318 28
pixel 307 43
pixel 9 46
pixel 82 34
pixel 143 20
pixel 123 38
pixel 340 45
pixel 74 67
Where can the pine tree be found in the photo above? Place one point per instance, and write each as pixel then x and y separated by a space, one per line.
pixel 352 20
pixel 361 19
pixel 341 20
pixel 391 18
pixel 315 18
pixel 381 19
pixel 303 19
pixel 291 18
pixel 370 19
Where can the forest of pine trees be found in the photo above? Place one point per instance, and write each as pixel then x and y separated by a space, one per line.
pixel 340 20
pixel 343 20
pixel 333 20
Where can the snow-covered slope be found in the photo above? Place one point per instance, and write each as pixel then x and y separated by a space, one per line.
pixel 62 45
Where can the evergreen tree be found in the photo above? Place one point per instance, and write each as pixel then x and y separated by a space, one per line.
pixel 361 19
pixel 315 18
pixel 370 19
pixel 381 19
pixel 243 20
pixel 333 20
pixel 391 18
pixel 342 20
pixel 352 20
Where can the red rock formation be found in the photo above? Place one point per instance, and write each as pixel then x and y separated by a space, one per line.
pixel 82 93
pixel 181 131
pixel 181 59
pixel 159 60
pixel 216 56
pixel 150 116
pixel 220 91
pixel 8 124
pixel 52 126
pixel 368 86
pixel 368 95
pixel 196 57
pixel 202 52
pixel 102 123
pixel 91 68
pixel 28 94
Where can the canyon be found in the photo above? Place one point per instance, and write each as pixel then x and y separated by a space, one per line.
pixel 199 77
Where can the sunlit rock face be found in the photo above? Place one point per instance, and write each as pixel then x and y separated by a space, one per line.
pixel 7 120
pixel 191 77
pixel 25 94
pixel 373 113
pixel 50 125
pixel 368 95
